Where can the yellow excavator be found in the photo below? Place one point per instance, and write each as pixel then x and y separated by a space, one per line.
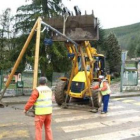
pixel 76 32
pixel 87 64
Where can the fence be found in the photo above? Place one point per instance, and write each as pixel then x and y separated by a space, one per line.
pixel 0 80
pixel 130 75
pixel 22 83
pixel 130 78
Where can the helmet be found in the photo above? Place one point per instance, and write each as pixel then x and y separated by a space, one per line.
pixel 101 77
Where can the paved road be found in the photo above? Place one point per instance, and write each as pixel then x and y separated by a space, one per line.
pixel 77 123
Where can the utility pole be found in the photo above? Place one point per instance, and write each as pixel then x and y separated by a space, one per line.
pixel 0 80
pixel 123 57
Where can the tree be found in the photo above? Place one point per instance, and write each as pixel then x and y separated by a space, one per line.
pixel 138 49
pixel 5 39
pixel 113 53
pixel 28 14
pixel 134 47
pixel 48 7
pixel 51 58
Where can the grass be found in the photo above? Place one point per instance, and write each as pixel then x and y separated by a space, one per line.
pixel 11 86
pixel 130 65
pixel 115 80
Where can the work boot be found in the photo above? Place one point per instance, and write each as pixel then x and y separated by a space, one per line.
pixel 102 112
pixel 95 110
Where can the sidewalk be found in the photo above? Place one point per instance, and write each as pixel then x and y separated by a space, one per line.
pixel 24 98
pixel 15 100
pixel 125 94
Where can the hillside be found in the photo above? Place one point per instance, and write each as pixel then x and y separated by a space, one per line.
pixel 125 34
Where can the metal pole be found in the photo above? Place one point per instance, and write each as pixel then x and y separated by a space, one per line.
pixel 123 56
pixel 0 80
pixel 121 84
pixel 53 29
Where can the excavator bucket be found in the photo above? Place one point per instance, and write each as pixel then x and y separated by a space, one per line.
pixel 78 28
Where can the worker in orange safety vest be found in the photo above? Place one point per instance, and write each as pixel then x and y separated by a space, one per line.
pixel 41 99
pixel 104 88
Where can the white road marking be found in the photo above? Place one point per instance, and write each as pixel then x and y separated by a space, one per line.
pixel 128 101
pixel 119 135
pixel 88 126
pixel 56 108
pixel 64 112
pixel 118 99
pixel 138 103
pixel 115 107
pixel 110 103
pixel 92 115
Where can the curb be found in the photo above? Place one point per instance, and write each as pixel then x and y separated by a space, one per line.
pixel 6 103
pixel 124 95
pixel 14 102
pixel 112 97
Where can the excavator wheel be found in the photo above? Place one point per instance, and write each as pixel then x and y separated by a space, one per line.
pixel 97 99
pixel 59 92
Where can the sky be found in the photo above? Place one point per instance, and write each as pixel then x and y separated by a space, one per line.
pixel 13 4
pixel 111 13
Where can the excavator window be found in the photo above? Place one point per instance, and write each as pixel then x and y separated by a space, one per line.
pixel 99 66
pixel 79 63
pixel 87 62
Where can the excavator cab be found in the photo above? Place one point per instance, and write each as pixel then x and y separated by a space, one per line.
pixel 99 66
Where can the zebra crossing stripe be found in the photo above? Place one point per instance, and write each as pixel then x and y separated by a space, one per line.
pixel 64 112
pixel 110 103
pixel 128 101
pixel 91 115
pixel 88 126
pixel 56 108
pixel 11 124
pixel 119 135
pixel 115 107
pixel 138 103
pixel 117 99
pixel 14 134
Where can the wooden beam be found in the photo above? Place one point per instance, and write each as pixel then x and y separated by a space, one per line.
pixel 21 54
pixel 35 76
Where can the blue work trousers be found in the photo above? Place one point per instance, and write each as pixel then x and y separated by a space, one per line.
pixel 105 100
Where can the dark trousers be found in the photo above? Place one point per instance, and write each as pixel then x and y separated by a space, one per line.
pixel 105 100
